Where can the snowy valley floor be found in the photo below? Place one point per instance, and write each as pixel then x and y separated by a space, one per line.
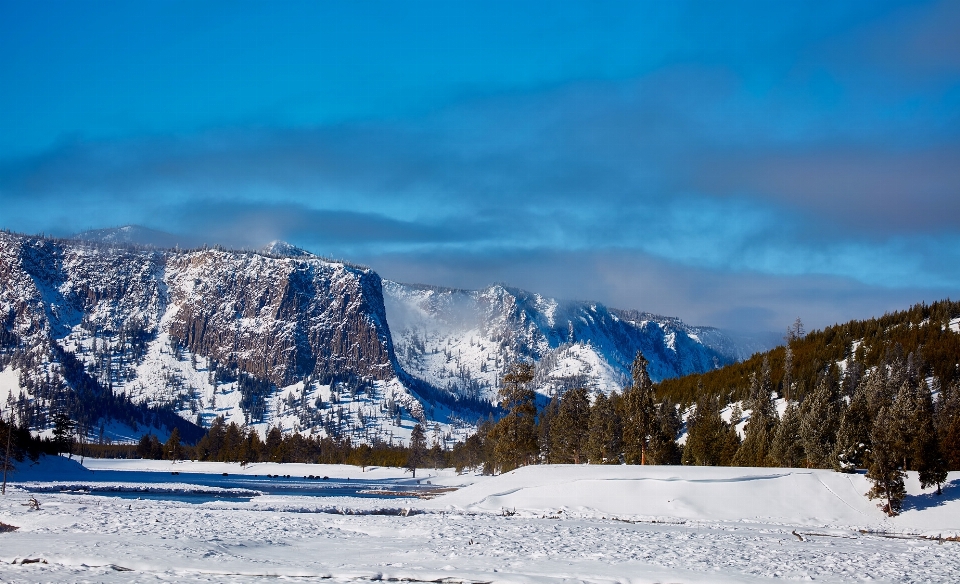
pixel 538 524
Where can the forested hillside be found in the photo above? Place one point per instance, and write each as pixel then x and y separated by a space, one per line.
pixel 931 333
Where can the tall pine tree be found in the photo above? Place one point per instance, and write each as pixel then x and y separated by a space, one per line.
pixel 639 416
pixel 604 445
pixel 417 456
pixel 925 447
pixel 569 429
pixel 886 471
pixel 758 433
pixel 853 437
pixel 707 433
pixel 787 448
pixel 516 433
pixel 821 419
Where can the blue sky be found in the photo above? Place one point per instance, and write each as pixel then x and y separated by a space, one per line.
pixel 735 163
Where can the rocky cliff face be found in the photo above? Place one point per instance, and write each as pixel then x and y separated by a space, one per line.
pixel 279 319
pixel 184 327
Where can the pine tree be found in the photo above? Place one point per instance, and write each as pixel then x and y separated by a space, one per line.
pixel 903 414
pixel 604 444
pixel 63 432
pixel 568 430
pixel 438 454
pixel 544 425
pixel 173 450
pixel 853 437
pixel 886 460
pixel 663 439
pixel 788 368
pixel 639 413
pixel 763 418
pixel 821 419
pixel 232 439
pixel 418 449
pixel 143 447
pixel 252 448
pixel 787 447
pixel 706 434
pixel 948 425
pixel 516 433
pixel 730 440
pixel 925 447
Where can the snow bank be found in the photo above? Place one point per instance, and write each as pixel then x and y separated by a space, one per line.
pixel 677 493
pixel 49 468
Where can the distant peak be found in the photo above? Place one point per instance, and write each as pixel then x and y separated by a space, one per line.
pixel 132 234
pixel 282 248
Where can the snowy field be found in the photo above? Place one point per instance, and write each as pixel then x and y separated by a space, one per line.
pixel 135 521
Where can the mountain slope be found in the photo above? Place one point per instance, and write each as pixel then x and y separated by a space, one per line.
pixel 462 340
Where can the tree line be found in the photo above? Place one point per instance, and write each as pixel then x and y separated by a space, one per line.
pixel 231 442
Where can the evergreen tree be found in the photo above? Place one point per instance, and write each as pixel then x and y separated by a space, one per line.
pixel 639 415
pixel 437 455
pixel 209 446
pixel 251 449
pixel 787 447
pixel 821 419
pixel 516 433
pixel 569 429
pixel 274 447
pixel 948 425
pixel 707 434
pixel 604 444
pixel 925 448
pixel 544 424
pixel 418 449
pixel 730 440
pixel 173 450
pixel 143 447
pixel 886 460
pixel 63 432
pixel 363 454
pixel 763 418
pixel 903 413
pixel 853 437
pixel 232 439
pixel 663 438
pixel 788 368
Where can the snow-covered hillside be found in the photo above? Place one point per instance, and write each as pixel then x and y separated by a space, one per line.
pixel 461 340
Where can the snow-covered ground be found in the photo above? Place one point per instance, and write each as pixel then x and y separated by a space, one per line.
pixel 537 524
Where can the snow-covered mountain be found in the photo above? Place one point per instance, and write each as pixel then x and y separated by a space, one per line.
pixel 282 337
pixel 461 340
pixel 259 339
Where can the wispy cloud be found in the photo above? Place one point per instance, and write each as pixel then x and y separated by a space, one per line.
pixel 815 165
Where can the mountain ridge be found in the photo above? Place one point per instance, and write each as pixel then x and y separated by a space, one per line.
pixel 280 336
